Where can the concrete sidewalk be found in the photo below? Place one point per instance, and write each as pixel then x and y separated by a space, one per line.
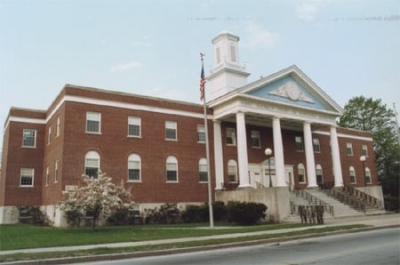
pixel 376 221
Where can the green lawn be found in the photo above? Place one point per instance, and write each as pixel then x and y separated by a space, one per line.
pixel 27 236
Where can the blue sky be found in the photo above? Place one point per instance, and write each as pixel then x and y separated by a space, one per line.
pixel 151 47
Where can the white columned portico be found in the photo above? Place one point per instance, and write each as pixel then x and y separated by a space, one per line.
pixel 278 153
pixel 243 163
pixel 310 161
pixel 218 157
pixel 337 167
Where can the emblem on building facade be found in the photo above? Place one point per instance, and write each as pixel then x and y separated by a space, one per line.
pixel 292 91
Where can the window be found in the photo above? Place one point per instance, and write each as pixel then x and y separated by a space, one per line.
pixel 58 127
pixel 318 172
pixel 201 133
pixel 29 138
pixel 352 174
pixel 203 170
pixel 233 53
pixel 134 124
pixel 93 122
pixel 255 139
pixel 230 136
pixel 349 149
pixel 364 150
pixel 316 146
pixel 232 171
pixel 299 143
pixel 92 164
pixel 301 173
pixel 170 130
pixel 49 136
pixel 134 167
pixel 47 176
pixel 26 177
pixel 368 175
pixel 172 169
pixel 56 171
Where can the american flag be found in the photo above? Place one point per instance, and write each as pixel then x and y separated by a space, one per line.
pixel 202 82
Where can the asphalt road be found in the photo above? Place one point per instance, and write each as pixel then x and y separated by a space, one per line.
pixel 371 247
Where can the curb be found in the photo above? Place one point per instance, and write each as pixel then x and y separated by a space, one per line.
pixel 119 256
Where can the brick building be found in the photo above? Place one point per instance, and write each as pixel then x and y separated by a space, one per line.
pixel 157 146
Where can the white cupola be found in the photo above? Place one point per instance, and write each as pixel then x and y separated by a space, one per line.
pixel 227 74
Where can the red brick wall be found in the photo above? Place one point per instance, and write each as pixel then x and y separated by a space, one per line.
pixel 4 161
pixel 19 157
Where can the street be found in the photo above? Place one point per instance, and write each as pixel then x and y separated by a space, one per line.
pixel 371 247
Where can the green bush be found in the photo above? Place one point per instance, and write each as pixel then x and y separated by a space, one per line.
pixel 33 215
pixel 73 217
pixel 201 213
pixel 246 213
pixel 166 214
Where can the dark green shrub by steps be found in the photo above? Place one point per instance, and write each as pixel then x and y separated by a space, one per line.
pixel 246 213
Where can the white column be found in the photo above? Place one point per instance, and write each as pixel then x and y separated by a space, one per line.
pixel 278 153
pixel 312 179
pixel 243 163
pixel 337 167
pixel 218 157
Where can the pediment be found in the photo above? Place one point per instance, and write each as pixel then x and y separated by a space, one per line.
pixel 293 87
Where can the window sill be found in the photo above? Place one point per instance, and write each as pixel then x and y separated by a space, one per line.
pixel 171 140
pixel 25 186
pixel 134 136
pixel 172 181
pixel 93 133
pixel 133 181
pixel 27 146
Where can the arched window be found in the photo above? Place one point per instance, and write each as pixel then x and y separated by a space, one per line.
pixel 134 166
pixel 368 175
pixel 172 169
pixel 203 173
pixel 318 173
pixel 232 171
pixel 352 174
pixel 92 164
pixel 301 173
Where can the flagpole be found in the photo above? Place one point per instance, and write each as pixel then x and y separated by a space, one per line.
pixel 202 83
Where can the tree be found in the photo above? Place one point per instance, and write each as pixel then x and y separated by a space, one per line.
pixel 367 114
pixel 95 197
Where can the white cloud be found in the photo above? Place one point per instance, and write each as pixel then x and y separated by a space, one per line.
pixel 308 10
pixel 259 37
pixel 126 66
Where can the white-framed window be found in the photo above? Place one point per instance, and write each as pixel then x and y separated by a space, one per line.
pixel 301 173
pixel 134 168
pixel 352 174
pixel 26 177
pixel 316 145
pixel 93 122
pixel 203 170
pixel 29 138
pixel 318 173
pixel 299 143
pixel 92 164
pixel 172 169
pixel 171 130
pixel 201 133
pixel 56 171
pixel 232 171
pixel 364 150
pixel 255 139
pixel 49 136
pixel 58 127
pixel 230 136
pixel 47 176
pixel 134 126
pixel 349 149
pixel 368 175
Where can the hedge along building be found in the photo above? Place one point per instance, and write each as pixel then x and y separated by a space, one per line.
pixel 157 146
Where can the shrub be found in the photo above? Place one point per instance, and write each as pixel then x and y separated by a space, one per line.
pixel 74 217
pixel 166 214
pixel 201 213
pixel 33 215
pixel 246 213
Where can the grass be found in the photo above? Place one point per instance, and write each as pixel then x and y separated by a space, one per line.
pixel 208 243
pixel 28 236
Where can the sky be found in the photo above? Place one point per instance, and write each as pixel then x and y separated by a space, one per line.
pixel 348 48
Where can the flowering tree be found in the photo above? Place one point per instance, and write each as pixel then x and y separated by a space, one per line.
pixel 95 196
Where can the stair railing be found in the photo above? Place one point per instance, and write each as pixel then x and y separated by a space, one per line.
pixel 314 200
pixel 348 199
pixel 259 185
pixel 370 200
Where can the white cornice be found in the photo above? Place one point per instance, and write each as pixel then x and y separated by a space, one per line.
pixel 343 135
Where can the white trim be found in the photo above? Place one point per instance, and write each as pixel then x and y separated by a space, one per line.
pixel 342 135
